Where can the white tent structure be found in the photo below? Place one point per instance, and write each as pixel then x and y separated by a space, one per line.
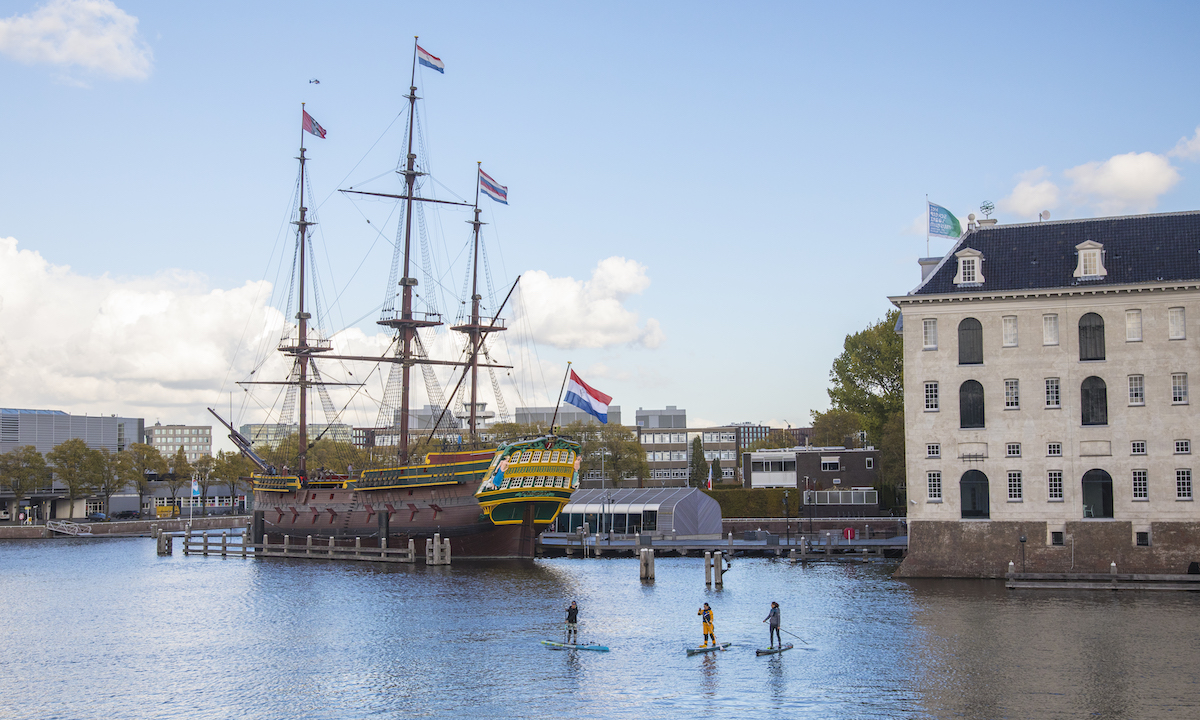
pixel 671 511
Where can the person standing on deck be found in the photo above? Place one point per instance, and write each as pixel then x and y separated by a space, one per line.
pixel 572 624
pixel 706 618
pixel 773 618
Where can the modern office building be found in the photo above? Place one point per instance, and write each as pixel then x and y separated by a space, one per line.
pixel 271 434
pixel 669 418
pixel 44 429
pixel 669 452
pixel 194 440
pixel 567 414
pixel 1048 412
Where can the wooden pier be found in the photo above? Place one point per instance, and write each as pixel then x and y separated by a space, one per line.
pixel 437 550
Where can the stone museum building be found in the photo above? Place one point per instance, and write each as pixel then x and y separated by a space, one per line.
pixel 1048 413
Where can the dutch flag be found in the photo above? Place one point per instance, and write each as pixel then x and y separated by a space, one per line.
pixel 493 189
pixel 430 61
pixel 588 399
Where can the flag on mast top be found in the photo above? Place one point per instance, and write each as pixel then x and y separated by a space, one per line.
pixel 493 189
pixel 312 126
pixel 429 60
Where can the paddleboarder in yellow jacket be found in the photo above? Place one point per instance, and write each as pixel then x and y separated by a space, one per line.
pixel 706 617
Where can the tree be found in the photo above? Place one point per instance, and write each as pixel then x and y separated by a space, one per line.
pixel 109 479
pixel 716 470
pixel 868 377
pixel 893 490
pixel 203 470
pixel 233 469
pixel 137 463
pixel 836 427
pixel 22 471
pixel 775 439
pixel 77 468
pixel 179 473
pixel 698 467
pixel 614 449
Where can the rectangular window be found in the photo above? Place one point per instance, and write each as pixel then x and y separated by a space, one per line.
pixel 1050 329
pixel 1090 261
pixel 1057 537
pixel 1183 484
pixel 1179 394
pixel 933 480
pixel 931 396
pixel 933 450
pixel 1183 447
pixel 870 463
pixel 1012 394
pixel 1054 449
pixel 1010 330
pixel 1012 450
pixel 830 465
pixel 968 270
pixel 929 334
pixel 1133 326
pixel 1143 538
pixel 1053 396
pixel 1137 447
pixel 1176 325
pixel 1137 390
pixel 1054 485
pixel 1015 490
pixel 1141 486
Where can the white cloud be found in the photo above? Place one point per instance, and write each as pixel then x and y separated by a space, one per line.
pixel 1033 194
pixel 1123 183
pixel 95 35
pixel 569 313
pixel 918 226
pixel 1187 148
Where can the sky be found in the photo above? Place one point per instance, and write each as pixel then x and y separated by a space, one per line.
pixel 704 198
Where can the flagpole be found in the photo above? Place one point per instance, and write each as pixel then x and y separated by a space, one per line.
pixel 413 81
pixel 560 394
pixel 926 224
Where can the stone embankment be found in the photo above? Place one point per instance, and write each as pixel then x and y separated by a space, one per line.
pixel 130 528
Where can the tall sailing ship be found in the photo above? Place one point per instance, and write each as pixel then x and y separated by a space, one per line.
pixel 489 502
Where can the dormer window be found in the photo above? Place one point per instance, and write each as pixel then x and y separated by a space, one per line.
pixel 970 267
pixel 1091 261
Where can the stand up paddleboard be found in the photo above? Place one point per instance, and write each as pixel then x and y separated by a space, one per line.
pixel 567 646
pixel 711 648
pixel 773 651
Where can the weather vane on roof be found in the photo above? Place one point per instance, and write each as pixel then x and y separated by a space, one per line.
pixel 987 208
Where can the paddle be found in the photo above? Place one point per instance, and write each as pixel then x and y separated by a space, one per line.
pixel 795 636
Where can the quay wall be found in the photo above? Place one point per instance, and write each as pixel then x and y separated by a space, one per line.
pixel 131 527
pixel 983 549
pixel 878 527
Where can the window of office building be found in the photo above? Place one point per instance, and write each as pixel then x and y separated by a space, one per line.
pixel 1012 395
pixel 929 333
pixel 1009 323
pixel 1050 329
pixel 933 480
pixel 1177 327
pixel 970 342
pixel 1137 390
pixel 1054 449
pixel 970 404
pixel 1016 490
pixel 1054 485
pixel 1091 337
pixel 1137 447
pixel 933 450
pixel 1183 447
pixel 1093 401
pixel 1141 485
pixel 1053 393
pixel 1012 450
pixel 1179 388
pixel 973 495
pixel 1097 494
pixel 1133 326
pixel 1183 484
pixel 931 396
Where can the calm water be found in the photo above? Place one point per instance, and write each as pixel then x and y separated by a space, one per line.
pixel 106 629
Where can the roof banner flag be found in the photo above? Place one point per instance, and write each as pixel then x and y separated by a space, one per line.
pixel 587 398
pixel 493 189
pixel 312 126
pixel 430 61
pixel 942 222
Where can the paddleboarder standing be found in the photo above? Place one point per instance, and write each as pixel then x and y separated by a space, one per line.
pixel 572 624
pixel 773 618
pixel 706 618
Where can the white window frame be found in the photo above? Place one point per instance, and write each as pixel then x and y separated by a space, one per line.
pixel 933 450
pixel 929 338
pixel 1179 389
pixel 1009 334
pixel 1054 486
pixel 1012 449
pixel 970 267
pixel 1133 326
pixel 1176 323
pixel 1054 449
pixel 1091 260
pixel 1183 447
pixel 1137 389
pixel 1012 394
pixel 1137 447
pixel 1183 483
pixel 870 463
pixel 1141 485
pixel 1016 488
pixel 932 397
pixel 1050 329
pixel 933 485
pixel 1053 393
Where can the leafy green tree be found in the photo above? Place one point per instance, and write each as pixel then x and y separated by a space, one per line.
pixel 892 476
pixel 234 469
pixel 179 474
pixel 77 468
pixel 716 470
pixel 868 377
pixel 23 471
pixel 612 449
pixel 202 469
pixel 775 439
pixel 836 427
pixel 698 466
pixel 137 464
pixel 109 479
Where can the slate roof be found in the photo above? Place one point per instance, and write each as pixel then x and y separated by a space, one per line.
pixel 1137 249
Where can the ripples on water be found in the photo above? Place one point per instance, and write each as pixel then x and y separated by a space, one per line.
pixel 106 629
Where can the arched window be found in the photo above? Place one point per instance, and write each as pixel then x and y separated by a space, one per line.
pixel 1097 494
pixel 973 491
pixel 970 404
pixel 1093 401
pixel 970 342
pixel 1091 337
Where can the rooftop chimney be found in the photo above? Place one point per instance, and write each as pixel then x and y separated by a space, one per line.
pixel 927 265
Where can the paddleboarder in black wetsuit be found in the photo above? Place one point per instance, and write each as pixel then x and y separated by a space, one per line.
pixel 572 624
pixel 773 618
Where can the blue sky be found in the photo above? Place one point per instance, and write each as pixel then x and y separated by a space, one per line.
pixel 756 170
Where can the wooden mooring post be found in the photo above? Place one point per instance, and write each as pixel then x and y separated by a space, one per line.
pixel 646 563
pixel 707 568
pixel 718 570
